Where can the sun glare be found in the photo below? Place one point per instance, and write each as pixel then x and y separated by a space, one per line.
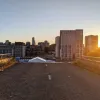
pixel 99 44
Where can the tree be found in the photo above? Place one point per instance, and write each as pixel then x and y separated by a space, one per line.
pixel 52 47
pixel 46 49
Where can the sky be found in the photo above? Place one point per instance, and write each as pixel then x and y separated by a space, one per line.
pixel 20 20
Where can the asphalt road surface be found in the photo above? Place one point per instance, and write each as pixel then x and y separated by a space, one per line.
pixel 52 82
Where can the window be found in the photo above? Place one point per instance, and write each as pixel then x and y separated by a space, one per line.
pixel 66 55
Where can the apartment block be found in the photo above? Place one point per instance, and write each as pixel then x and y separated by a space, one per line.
pixel 71 44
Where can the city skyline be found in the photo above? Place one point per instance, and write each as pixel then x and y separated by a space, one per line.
pixel 49 42
pixel 43 19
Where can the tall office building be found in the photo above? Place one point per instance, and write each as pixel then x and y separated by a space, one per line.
pixel 57 48
pixel 91 43
pixel 19 49
pixel 33 41
pixel 42 45
pixel 28 44
pixel 71 44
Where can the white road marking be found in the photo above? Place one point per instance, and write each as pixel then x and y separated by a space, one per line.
pixel 68 76
pixel 46 65
pixel 10 96
pixel 49 77
pixel 69 62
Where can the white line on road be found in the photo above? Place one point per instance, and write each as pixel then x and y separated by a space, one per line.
pixel 46 65
pixel 49 77
pixel 68 76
